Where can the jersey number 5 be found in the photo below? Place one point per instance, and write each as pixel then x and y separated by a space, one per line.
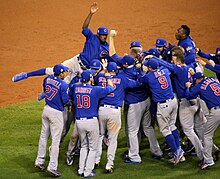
pixel 215 88
pixel 163 81
pixel 49 94
pixel 83 101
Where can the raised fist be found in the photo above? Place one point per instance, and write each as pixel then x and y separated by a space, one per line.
pixel 113 33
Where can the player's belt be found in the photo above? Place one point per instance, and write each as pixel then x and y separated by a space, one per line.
pixel 109 106
pixel 216 107
pixel 85 118
pixel 166 100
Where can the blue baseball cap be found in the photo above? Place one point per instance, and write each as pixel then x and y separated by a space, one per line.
pixel 152 63
pixel 95 64
pixel 86 75
pixel 197 75
pixel 135 44
pixel 153 51
pixel 102 30
pixel 112 67
pixel 59 68
pixel 128 60
pixel 160 42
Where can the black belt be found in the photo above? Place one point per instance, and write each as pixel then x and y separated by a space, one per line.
pixel 216 107
pixel 81 64
pixel 85 118
pixel 109 106
pixel 166 100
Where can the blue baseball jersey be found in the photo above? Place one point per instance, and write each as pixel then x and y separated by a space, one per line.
pixel 190 49
pixel 180 76
pixel 210 56
pixel 137 94
pixel 216 68
pixel 208 90
pixel 56 92
pixel 86 99
pixel 120 82
pixel 159 83
pixel 93 48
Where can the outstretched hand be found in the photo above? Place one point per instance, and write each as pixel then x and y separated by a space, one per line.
pixel 93 8
pixel 113 33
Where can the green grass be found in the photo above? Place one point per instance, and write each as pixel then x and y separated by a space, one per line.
pixel 20 130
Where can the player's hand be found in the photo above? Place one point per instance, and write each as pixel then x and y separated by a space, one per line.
pixel 188 84
pixel 212 63
pixel 148 57
pixel 191 71
pixel 93 8
pixel 197 50
pixel 201 61
pixel 104 63
pixel 144 68
pixel 41 96
pixel 113 33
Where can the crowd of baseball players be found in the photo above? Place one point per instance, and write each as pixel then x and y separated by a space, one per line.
pixel 163 86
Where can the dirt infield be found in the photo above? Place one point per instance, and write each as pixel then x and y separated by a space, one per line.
pixel 42 33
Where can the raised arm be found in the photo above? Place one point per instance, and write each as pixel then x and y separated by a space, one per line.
pixel 93 10
pixel 112 50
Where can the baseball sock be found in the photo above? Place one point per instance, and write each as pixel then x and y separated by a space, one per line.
pixel 171 142
pixel 39 72
pixel 176 138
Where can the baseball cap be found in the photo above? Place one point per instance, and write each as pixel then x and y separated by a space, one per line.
pixel 102 30
pixel 135 44
pixel 95 64
pixel 112 67
pixel 197 75
pixel 152 63
pixel 86 75
pixel 160 42
pixel 128 60
pixel 153 51
pixel 59 68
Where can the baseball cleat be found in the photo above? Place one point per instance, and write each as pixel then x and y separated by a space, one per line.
pixel 40 166
pixel 178 156
pixel 108 169
pixel 172 160
pixel 206 165
pixel 54 173
pixel 90 175
pixel 19 77
pixel 81 174
pixel 129 161
pixel 157 156
pixel 69 160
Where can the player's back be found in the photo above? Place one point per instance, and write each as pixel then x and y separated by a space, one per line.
pixel 160 84
pixel 86 99
pixel 56 92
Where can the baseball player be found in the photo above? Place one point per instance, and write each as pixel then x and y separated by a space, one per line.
pixel 215 57
pixel 185 40
pixel 187 109
pixel 165 51
pixel 160 85
pixel 136 106
pixel 52 118
pixel 208 89
pixel 110 111
pixel 86 98
pixel 95 65
pixel 95 47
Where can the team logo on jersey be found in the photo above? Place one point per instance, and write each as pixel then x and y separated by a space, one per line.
pixel 188 48
pixel 103 53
